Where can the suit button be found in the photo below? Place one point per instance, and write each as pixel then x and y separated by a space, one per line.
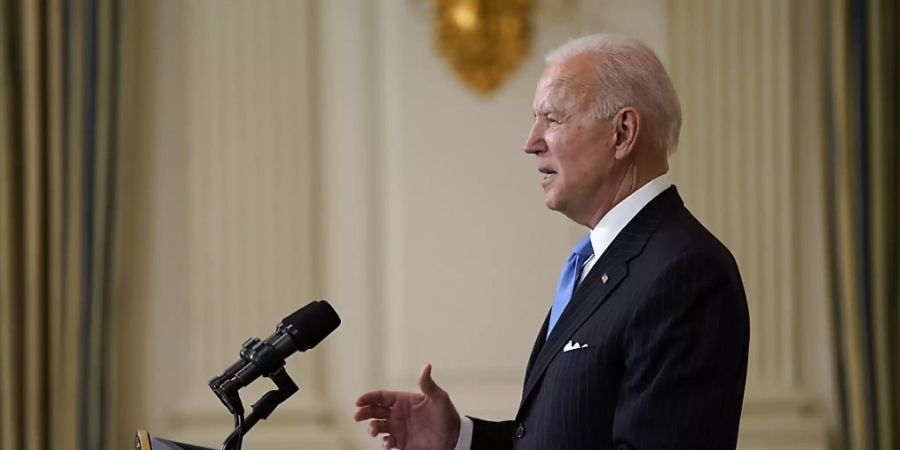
pixel 520 431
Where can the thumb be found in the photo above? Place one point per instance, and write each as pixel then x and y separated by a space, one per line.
pixel 426 384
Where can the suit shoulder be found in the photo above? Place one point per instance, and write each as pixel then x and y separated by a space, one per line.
pixel 682 259
pixel 681 234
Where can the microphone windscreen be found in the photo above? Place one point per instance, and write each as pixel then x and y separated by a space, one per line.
pixel 310 324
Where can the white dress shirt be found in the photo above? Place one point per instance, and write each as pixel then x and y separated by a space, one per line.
pixel 601 236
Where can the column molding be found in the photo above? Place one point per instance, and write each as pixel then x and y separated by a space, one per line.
pixel 738 168
pixel 253 208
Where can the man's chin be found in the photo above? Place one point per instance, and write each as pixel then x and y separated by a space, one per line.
pixel 551 202
pixel 556 204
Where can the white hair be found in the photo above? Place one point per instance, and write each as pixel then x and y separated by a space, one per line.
pixel 629 74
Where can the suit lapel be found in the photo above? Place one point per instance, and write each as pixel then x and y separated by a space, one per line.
pixel 579 309
pixel 538 345
pixel 593 290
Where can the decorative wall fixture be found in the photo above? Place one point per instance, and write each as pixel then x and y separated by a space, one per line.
pixel 483 40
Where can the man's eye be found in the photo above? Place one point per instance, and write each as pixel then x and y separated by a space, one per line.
pixel 553 120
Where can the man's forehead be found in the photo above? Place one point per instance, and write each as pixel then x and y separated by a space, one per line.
pixel 567 78
pixel 564 80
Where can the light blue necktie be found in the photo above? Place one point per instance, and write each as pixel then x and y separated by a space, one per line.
pixel 568 278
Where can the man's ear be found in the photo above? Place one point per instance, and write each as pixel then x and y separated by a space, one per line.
pixel 627 123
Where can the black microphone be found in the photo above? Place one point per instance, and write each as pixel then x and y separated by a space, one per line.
pixel 298 332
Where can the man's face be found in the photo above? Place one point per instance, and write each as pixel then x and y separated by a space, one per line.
pixel 573 148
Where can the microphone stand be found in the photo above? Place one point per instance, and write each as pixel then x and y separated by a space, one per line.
pixel 297 332
pixel 261 409
pixel 238 439
pixel 227 386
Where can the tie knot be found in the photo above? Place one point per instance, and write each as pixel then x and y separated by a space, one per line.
pixel 584 247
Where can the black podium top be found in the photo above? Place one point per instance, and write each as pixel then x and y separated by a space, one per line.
pixel 143 441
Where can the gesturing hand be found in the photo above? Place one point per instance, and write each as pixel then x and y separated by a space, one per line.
pixel 411 421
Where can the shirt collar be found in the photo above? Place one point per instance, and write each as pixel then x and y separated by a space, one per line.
pixel 622 213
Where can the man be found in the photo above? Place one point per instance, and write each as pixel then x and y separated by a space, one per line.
pixel 645 345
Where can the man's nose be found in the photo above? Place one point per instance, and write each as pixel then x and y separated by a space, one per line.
pixel 534 143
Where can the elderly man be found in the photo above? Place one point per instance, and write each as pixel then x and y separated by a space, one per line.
pixel 645 345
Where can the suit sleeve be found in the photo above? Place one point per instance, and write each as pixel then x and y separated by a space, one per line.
pixel 487 435
pixel 686 359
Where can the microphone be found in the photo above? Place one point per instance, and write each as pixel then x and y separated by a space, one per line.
pixel 298 332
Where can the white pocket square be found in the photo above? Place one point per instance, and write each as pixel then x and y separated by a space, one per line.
pixel 573 346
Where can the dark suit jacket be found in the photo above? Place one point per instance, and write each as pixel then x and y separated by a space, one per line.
pixel 667 335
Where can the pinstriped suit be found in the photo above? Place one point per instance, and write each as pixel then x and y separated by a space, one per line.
pixel 667 336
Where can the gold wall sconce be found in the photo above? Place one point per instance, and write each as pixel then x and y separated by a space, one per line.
pixel 483 41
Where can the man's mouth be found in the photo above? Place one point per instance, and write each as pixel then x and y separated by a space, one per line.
pixel 547 173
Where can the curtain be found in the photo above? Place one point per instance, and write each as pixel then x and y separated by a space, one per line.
pixel 864 205
pixel 59 64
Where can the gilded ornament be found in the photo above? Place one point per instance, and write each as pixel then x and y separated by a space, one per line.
pixel 483 40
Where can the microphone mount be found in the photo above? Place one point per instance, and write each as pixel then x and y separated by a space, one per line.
pixel 264 407
pixel 298 332
pixel 227 385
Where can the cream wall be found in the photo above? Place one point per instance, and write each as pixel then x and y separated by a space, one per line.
pixel 751 168
pixel 279 152
pixel 152 279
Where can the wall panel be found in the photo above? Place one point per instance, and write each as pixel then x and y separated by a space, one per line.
pixel 737 167
pixel 253 189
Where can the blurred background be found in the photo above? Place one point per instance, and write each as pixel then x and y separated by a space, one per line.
pixel 177 176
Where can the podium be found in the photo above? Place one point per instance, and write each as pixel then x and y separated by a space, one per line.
pixel 143 441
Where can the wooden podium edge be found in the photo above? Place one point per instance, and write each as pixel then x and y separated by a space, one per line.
pixel 142 440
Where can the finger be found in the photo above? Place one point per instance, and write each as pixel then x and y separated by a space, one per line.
pixel 426 384
pixel 377 427
pixel 371 412
pixel 380 398
pixel 388 442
